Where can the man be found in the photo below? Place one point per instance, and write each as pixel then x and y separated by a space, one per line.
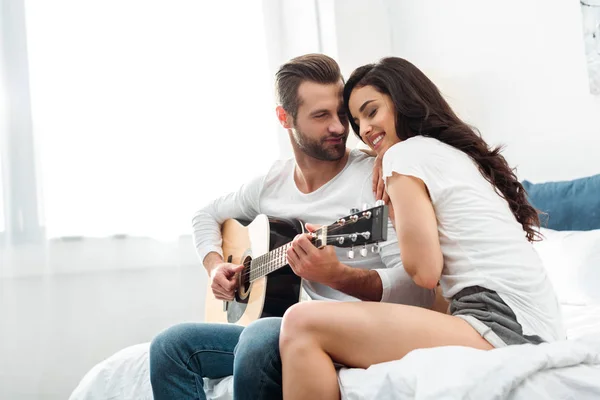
pixel 319 185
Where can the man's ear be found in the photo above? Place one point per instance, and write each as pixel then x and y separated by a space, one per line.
pixel 284 118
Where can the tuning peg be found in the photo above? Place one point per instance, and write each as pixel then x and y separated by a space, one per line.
pixel 376 248
pixel 351 253
pixel 354 210
pixel 366 206
pixel 363 251
pixel 379 203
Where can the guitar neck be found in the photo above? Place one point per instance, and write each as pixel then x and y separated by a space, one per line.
pixel 275 259
pixel 360 228
pixel 269 262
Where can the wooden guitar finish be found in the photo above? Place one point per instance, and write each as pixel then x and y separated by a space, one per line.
pixel 267 286
pixel 268 296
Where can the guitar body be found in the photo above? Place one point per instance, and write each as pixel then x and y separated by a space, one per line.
pixel 267 286
pixel 269 296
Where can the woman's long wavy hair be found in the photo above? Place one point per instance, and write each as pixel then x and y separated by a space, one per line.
pixel 421 110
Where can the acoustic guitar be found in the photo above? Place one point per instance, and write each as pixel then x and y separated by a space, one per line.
pixel 267 286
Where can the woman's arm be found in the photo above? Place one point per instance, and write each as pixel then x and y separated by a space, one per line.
pixel 416 227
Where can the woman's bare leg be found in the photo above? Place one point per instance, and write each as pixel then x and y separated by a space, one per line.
pixel 358 335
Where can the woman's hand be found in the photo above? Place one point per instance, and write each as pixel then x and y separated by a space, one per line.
pixel 391 214
pixel 379 187
pixel 378 183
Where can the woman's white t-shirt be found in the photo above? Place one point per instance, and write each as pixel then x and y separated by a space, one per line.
pixel 481 240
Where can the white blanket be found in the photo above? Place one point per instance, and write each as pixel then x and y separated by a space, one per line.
pixel 566 370
pixel 561 370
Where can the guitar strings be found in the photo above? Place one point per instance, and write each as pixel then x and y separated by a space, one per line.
pixel 260 267
pixel 277 257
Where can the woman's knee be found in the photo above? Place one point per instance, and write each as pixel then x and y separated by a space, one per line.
pixel 300 322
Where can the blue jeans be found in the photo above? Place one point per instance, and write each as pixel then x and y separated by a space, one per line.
pixel 184 354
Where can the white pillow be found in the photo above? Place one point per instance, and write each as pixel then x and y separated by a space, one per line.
pixel 572 259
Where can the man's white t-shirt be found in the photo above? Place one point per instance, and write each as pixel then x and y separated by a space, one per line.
pixel 481 240
pixel 277 195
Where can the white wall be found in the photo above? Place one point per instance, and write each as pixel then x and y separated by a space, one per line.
pixel 55 328
pixel 513 68
pixel 84 255
pixel 364 32
pixel 364 35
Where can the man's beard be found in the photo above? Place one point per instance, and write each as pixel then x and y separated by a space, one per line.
pixel 319 149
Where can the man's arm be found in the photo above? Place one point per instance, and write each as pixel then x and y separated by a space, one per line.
pixel 390 284
pixel 207 235
pixel 211 260
pixel 243 204
pixel 364 284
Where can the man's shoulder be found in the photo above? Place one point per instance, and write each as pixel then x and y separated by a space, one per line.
pixel 280 169
pixel 358 171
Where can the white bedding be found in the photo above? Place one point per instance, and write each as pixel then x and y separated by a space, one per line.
pixel 566 370
pixel 561 370
pixel 571 368
pixel 581 320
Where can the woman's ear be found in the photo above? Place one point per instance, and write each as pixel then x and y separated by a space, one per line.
pixel 283 117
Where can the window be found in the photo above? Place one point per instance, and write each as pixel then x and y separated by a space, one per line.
pixel 145 111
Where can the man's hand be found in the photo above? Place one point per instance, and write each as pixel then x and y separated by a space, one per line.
pixel 323 266
pixel 378 184
pixel 224 280
pixel 308 262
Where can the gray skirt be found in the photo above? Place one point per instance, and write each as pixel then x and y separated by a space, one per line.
pixel 495 321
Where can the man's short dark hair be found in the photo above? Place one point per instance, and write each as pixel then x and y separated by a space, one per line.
pixel 317 68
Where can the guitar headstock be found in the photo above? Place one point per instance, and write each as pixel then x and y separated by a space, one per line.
pixel 356 229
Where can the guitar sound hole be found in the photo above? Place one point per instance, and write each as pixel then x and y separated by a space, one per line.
pixel 245 276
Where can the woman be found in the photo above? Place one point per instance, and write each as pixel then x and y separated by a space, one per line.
pixel 462 219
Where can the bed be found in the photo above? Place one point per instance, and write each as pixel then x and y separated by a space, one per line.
pixel 568 369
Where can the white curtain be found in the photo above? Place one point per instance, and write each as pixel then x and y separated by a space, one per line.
pixel 140 112
pixel 118 120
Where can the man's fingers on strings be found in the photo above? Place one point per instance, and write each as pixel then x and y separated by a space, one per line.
pixel 305 245
pixel 299 244
pixel 292 257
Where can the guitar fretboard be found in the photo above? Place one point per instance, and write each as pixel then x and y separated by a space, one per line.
pixel 269 262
